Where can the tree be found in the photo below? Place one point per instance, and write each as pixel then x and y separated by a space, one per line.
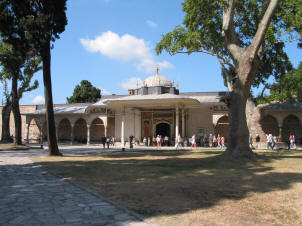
pixel 42 21
pixel 248 46
pixel 287 90
pixel 6 110
pixel 84 93
pixel 19 63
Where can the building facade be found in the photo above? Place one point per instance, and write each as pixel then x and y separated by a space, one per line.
pixel 155 108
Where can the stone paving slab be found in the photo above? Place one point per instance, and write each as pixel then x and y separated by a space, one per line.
pixel 30 195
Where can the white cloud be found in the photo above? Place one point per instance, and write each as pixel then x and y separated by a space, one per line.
pixel 131 83
pixel 125 48
pixel 151 23
pixel 105 92
pixel 38 100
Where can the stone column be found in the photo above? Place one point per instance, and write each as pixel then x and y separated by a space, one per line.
pixel 88 134
pixel 105 129
pixel 280 130
pixel 183 122
pixel 123 129
pixel 72 134
pixel 41 132
pixel 57 132
pixel 27 133
pixel 176 122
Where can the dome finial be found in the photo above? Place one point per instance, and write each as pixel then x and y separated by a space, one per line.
pixel 157 69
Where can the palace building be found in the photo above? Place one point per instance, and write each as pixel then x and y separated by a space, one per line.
pixel 157 107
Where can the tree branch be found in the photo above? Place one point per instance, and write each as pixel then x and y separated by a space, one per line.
pixel 228 31
pixel 262 28
pixel 228 76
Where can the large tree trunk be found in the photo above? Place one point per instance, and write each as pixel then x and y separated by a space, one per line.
pixel 51 128
pixel 238 143
pixel 16 110
pixel 5 135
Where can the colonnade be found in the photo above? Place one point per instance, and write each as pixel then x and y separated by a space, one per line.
pixel 72 124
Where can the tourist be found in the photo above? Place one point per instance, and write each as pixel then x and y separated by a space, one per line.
pixel 211 140
pixel 219 141
pixel 166 140
pixel 112 140
pixel 104 141
pixel 154 141
pixel 145 141
pixel 149 141
pixel 193 141
pixel 108 142
pixel 222 141
pixel 275 145
pixel 186 142
pixel 251 142
pixel 178 141
pixel 257 140
pixel 131 142
pixel 158 141
pixel 269 141
pixel 214 141
pixel 292 141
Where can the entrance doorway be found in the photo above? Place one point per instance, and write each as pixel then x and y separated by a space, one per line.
pixel 163 129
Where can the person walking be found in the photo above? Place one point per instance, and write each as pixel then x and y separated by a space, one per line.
pixel 292 141
pixel 251 142
pixel 193 141
pixel 178 142
pixel 219 141
pixel 108 142
pixel 131 142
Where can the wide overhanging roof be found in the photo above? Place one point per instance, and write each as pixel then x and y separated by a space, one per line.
pixel 190 98
pixel 79 108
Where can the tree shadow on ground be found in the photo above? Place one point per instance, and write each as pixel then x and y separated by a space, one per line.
pixel 177 183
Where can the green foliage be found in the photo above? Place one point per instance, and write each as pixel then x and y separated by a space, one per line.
pixel 39 21
pixel 287 90
pixel 23 66
pixel 84 93
pixel 201 31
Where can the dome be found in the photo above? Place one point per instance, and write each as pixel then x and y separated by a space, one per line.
pixel 157 80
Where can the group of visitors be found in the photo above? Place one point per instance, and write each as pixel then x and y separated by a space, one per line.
pixel 157 141
pixel 272 142
pixel 107 141
pixel 204 141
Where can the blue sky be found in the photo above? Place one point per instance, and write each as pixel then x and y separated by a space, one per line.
pixel 111 43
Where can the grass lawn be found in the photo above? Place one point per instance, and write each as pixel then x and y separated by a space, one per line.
pixel 193 187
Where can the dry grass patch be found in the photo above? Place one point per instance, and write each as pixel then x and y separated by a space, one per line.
pixel 10 146
pixel 193 188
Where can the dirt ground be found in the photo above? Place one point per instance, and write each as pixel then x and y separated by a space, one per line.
pixel 193 187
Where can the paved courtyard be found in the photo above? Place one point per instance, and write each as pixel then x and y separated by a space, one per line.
pixel 30 195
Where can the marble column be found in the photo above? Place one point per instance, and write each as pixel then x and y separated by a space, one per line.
pixel 72 134
pixel 88 134
pixel 41 132
pixel 280 131
pixel 123 129
pixel 176 122
pixel 57 133
pixel 183 122
pixel 27 133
